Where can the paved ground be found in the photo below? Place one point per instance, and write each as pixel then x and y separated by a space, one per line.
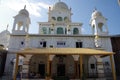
pixel 8 77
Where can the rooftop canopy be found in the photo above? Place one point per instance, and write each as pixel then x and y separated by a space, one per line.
pixel 64 51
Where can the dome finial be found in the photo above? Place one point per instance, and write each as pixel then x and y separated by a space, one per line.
pixel 7 26
pixel 94 9
pixel 25 7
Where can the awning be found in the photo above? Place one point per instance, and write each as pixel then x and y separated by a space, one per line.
pixel 64 51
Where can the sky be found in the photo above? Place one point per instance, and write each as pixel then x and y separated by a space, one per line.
pixel 81 9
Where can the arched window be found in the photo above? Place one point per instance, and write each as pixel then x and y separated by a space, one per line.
pixel 60 30
pixel 44 30
pixel 65 18
pixel 53 18
pixel 75 31
pixel 102 27
pixel 59 18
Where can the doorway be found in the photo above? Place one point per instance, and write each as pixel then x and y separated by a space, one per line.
pixel 41 70
pixel 44 44
pixel 60 69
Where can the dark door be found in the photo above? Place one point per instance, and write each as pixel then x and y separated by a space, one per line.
pixel 61 69
pixel 42 70
pixel 44 44
pixel 78 44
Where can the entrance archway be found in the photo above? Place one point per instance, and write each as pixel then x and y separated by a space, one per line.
pixel 63 65
pixel 92 66
pixel 38 65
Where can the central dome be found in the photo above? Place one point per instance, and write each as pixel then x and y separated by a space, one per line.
pixel 60 5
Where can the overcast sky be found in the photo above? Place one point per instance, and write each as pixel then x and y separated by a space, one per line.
pixel 81 9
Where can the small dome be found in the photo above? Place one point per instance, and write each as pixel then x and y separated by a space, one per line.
pixel 96 14
pixel 5 32
pixel 60 5
pixel 24 11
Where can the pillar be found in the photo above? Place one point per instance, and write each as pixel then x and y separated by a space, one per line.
pixel 16 67
pixel 14 25
pixel 25 66
pixel 113 67
pixel 24 26
pixel 81 67
pixel 76 69
pixel 52 28
pixel 48 68
pixel 96 32
pixel 100 67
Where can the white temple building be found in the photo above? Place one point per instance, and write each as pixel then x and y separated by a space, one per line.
pixel 59 32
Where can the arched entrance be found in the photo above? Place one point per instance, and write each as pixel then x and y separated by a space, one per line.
pixel 38 65
pixel 92 66
pixel 63 65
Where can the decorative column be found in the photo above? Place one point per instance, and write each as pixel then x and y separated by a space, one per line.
pixel 100 67
pixel 52 26
pixel 68 29
pixel 113 67
pixel 97 41
pixel 95 29
pixel 25 67
pixel 27 41
pixel 68 26
pixel 52 29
